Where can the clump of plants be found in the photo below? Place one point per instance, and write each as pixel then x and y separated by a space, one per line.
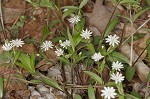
pixel 89 57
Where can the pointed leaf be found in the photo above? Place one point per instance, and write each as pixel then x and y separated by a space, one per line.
pixel 111 26
pixel 50 82
pixel 1 87
pixel 94 76
pixel 84 2
pixel 130 71
pixel 77 96
pixel 91 92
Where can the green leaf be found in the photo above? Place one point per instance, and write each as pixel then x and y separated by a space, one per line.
pixel 140 13
pixel 53 23
pixel 94 76
pixel 5 57
pixel 32 61
pixel 148 98
pixel 91 92
pixel 71 39
pixel 36 81
pixel 70 7
pixel 84 2
pixel 111 26
pixel 129 96
pixel 45 33
pixel 47 3
pixel 125 17
pixel 64 60
pixel 91 47
pixel 1 87
pixel 120 88
pixel 77 96
pixel 128 1
pixel 33 4
pixel 24 67
pixel 148 2
pixel 136 37
pixel 148 77
pixel 56 39
pixel 16 57
pixel 25 59
pixel 26 62
pixel 50 82
pixel 77 31
pixel 136 94
pixel 130 71
pixel 120 56
pixel 67 13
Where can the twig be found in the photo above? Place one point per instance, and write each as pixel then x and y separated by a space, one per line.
pixel 140 55
pixel 2 22
pixel 137 30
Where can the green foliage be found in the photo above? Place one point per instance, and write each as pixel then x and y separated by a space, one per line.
pixel 148 77
pixel 136 36
pixel 129 96
pixel 47 3
pixel 53 23
pixel 45 33
pixel 140 13
pixel 129 2
pixel 16 27
pixel 84 2
pixel 27 62
pixel 50 82
pixel 148 2
pixel 130 71
pixel 119 57
pixel 77 96
pixel 71 39
pixel 94 76
pixel 91 47
pixel 91 92
pixel 111 26
pixel 136 94
pixel 5 57
pixel 42 3
pixel 120 88
pixel 1 87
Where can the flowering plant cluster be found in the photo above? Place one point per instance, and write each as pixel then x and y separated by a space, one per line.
pixel 86 55
pixel 13 43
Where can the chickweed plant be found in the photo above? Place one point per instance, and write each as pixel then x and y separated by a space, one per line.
pixel 87 55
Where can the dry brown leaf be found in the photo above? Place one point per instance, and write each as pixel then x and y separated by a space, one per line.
pixel 142 70
pixel 99 17
pixel 12 11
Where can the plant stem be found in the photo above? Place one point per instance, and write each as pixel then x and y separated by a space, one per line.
pixel 2 22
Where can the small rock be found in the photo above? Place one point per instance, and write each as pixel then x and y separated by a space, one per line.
pixel 35 93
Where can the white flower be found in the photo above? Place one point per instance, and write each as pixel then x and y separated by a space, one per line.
pixel 74 19
pixel 112 40
pixel 59 52
pixel 65 44
pixel 86 34
pixel 108 93
pixel 7 47
pixel 46 45
pixel 117 77
pixel 117 65
pixel 17 43
pixel 97 56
